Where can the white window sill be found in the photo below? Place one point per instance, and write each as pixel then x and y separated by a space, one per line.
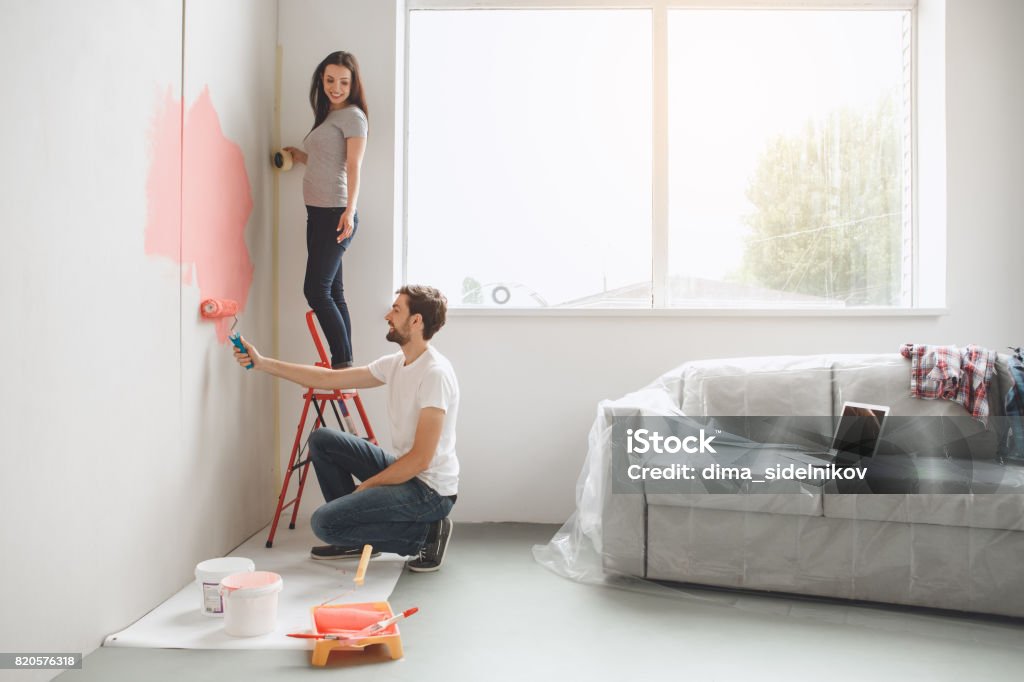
pixel 696 312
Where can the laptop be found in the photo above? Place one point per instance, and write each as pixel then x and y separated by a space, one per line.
pixel 857 435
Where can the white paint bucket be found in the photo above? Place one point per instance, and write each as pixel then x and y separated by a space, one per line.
pixel 250 603
pixel 209 573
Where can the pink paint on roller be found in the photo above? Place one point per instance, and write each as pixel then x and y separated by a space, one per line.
pixel 346 618
pixel 200 202
pixel 212 308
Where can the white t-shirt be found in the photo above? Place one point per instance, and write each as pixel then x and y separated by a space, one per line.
pixel 428 382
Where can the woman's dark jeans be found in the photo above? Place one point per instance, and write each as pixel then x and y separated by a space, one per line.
pixel 323 287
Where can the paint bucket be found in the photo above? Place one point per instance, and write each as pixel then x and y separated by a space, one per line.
pixel 250 603
pixel 209 573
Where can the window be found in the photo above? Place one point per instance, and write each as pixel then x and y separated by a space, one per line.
pixel 660 157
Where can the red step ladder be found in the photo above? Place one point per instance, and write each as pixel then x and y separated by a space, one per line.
pixel 319 400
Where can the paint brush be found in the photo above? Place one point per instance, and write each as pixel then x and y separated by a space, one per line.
pixel 371 630
pixel 368 631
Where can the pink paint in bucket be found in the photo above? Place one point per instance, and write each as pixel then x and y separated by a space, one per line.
pixel 250 603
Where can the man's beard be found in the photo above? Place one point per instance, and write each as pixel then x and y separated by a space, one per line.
pixel 396 336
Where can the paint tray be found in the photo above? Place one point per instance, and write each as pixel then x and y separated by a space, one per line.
pixel 350 618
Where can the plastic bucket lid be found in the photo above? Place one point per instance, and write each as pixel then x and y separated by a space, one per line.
pixel 213 570
pixel 251 585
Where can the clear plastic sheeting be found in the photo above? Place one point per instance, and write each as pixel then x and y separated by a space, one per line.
pixel 945 546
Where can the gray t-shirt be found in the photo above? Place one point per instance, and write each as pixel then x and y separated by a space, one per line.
pixel 325 183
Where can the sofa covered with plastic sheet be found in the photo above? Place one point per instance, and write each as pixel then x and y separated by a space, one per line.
pixel 938 541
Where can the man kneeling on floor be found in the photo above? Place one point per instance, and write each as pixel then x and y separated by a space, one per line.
pixel 403 502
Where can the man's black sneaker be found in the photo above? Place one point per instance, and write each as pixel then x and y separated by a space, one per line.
pixel 335 552
pixel 432 555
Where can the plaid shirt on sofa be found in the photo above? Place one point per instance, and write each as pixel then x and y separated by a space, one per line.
pixel 962 375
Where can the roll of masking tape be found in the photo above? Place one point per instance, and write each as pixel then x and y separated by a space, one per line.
pixel 282 159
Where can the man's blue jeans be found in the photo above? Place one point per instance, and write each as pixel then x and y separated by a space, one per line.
pixel 392 518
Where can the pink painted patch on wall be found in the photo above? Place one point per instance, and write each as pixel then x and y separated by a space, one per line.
pixel 199 202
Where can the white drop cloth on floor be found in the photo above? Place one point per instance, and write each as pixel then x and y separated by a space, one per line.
pixel 178 623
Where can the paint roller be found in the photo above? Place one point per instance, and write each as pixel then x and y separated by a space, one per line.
pixel 282 159
pixel 215 308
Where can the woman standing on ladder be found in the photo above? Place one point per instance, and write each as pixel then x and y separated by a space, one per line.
pixel 330 189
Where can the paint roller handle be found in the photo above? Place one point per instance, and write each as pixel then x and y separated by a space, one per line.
pixel 236 339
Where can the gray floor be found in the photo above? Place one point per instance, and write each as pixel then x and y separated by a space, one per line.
pixel 492 613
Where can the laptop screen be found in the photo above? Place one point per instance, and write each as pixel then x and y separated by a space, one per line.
pixel 859 429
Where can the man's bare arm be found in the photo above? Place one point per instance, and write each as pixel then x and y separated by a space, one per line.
pixel 308 375
pixel 428 435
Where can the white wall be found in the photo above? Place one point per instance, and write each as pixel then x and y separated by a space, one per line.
pixel 530 384
pixel 309 31
pixel 131 444
pixel 229 54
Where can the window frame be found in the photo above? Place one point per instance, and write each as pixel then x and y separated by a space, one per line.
pixel 931 304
